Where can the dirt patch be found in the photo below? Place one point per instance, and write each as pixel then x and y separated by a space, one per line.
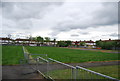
pixel 100 50
pixel 95 64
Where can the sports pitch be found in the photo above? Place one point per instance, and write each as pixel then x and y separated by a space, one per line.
pixel 13 54
pixel 72 55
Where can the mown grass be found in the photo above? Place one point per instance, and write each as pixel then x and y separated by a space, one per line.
pixel 106 70
pixel 11 55
pixel 72 55
pixel 0 54
pixel 61 74
pixel 112 71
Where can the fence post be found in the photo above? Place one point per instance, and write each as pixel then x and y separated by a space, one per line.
pixel 47 68
pixel 73 74
pixel 76 73
pixel 37 60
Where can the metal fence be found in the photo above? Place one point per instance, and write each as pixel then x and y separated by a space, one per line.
pixel 42 66
pixel 83 73
pixel 55 70
pixel 59 70
pixel 36 62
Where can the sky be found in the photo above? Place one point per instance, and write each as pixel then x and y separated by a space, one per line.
pixel 60 20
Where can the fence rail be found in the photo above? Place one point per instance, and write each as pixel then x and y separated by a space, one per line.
pixel 62 63
pixel 61 70
pixel 89 74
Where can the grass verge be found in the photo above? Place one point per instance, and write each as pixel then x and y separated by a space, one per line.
pixel 11 55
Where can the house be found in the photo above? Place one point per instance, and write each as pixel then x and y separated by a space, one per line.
pixel 5 41
pixel 90 44
pixel 26 42
pixel 86 44
pixel 50 43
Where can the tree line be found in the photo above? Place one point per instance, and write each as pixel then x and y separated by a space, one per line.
pixel 41 40
pixel 108 44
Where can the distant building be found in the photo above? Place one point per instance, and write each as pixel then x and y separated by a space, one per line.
pixel 87 44
pixel 5 41
pixel 117 40
pixel 26 42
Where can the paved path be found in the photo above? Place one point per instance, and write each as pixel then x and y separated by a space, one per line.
pixel 19 72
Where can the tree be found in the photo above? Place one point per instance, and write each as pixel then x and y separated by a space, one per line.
pixel 54 40
pixel 117 45
pixel 9 36
pixel 61 43
pixel 40 39
pixel 47 39
pixel 107 44
pixel 82 43
pixel 32 38
pixel 110 45
pixel 68 43
pixel 64 43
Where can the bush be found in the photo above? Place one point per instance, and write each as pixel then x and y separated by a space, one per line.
pixel 107 44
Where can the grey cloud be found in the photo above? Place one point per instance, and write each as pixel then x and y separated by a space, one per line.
pixel 18 15
pixel 21 14
pixel 106 15
pixel 74 35
pixel 114 34
pixel 104 35
pixel 83 32
pixel 54 34
pixel 67 26
pixel 23 10
pixel 8 31
pixel 25 24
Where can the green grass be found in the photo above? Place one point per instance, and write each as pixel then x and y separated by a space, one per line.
pixel 0 54
pixel 60 74
pixel 66 73
pixel 11 55
pixel 108 70
pixel 72 55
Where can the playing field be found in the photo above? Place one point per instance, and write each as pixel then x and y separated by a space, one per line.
pixel 72 55
pixel 11 55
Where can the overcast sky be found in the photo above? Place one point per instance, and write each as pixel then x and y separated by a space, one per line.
pixel 60 20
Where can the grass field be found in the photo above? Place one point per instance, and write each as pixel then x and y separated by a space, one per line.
pixel 107 70
pixel 11 55
pixel 72 55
